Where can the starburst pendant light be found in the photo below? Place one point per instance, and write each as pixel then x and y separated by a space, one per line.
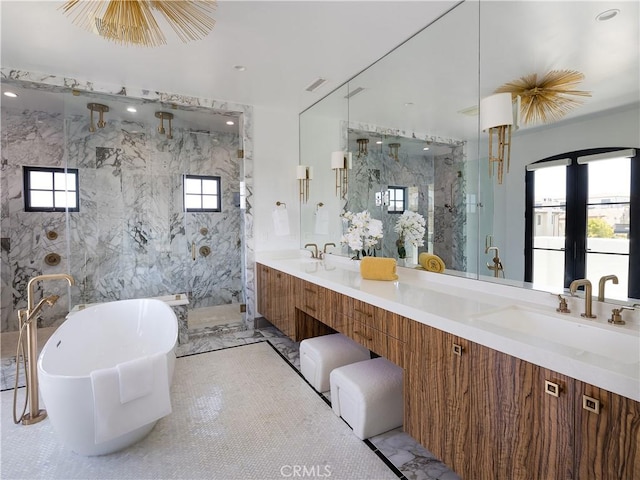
pixel 549 98
pixel 132 22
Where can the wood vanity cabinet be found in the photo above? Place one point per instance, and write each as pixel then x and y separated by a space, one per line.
pixel 522 419
pixel 607 442
pixel 276 298
pixel 486 414
pixel 437 397
pixel 313 300
pixel 378 330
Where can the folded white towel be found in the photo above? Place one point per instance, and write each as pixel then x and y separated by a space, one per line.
pixel 135 378
pixel 113 418
pixel 281 222
pixel 322 221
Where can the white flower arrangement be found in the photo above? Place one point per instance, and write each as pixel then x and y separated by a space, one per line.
pixel 363 232
pixel 410 227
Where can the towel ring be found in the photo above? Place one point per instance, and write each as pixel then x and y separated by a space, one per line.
pixel 281 203
pixel 319 205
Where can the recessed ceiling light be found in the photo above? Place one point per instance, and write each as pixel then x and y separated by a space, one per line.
pixel 425 148
pixel 240 68
pixel 379 142
pixel 230 122
pixel 131 109
pixel 607 15
pixel 11 94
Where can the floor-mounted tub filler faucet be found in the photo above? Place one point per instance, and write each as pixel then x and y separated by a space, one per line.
pixel 497 263
pixel 587 295
pixel 27 320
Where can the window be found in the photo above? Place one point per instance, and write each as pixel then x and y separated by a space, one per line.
pixel 201 193
pixel 397 199
pixel 586 220
pixel 49 189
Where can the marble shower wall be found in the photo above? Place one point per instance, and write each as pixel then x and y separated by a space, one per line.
pixel 450 222
pixel 131 237
pixel 377 170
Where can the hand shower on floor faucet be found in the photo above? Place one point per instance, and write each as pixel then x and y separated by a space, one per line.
pixel 50 301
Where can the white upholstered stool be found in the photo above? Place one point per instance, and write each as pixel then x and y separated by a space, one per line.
pixel 320 355
pixel 368 396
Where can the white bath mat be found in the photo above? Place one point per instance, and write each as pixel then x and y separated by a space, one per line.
pixel 239 413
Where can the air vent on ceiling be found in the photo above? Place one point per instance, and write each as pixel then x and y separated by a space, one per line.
pixel 354 92
pixel 316 84
pixel 470 111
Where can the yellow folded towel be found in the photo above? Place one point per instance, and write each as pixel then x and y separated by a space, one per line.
pixel 378 268
pixel 431 262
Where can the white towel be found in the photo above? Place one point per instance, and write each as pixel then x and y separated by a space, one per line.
pixel 135 378
pixel 113 418
pixel 322 221
pixel 281 222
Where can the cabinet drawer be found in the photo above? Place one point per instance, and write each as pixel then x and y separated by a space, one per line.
pixel 371 338
pixel 395 351
pixel 395 326
pixel 364 312
pixel 342 324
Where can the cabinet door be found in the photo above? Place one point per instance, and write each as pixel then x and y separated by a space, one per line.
pixel 263 290
pixel 520 430
pixel 607 435
pixel 282 300
pixel 437 400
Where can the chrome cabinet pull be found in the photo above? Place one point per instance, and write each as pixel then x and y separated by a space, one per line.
pixel 458 349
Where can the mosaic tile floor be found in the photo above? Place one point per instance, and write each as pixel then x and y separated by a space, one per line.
pixel 410 459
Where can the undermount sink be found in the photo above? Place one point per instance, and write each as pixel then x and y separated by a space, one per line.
pixel 544 328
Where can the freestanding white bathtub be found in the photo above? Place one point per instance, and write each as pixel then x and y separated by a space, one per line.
pixel 79 370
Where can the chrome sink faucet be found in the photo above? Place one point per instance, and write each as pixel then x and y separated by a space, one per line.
pixel 314 253
pixel 601 284
pixel 587 295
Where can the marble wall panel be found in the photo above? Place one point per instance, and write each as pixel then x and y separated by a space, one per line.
pixel 104 240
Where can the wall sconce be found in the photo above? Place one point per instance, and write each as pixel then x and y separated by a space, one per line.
pixel 362 147
pixel 164 116
pixel 393 150
pixel 496 116
pixel 304 174
pixel 97 107
pixel 341 163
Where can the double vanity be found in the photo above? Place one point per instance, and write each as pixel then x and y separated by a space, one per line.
pixel 497 383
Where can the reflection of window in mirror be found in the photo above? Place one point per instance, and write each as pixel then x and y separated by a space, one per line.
pixel 581 216
pixel 397 199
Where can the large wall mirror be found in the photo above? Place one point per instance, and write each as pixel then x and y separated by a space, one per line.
pixel 410 124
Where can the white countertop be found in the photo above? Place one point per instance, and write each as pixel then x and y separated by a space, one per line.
pixel 451 304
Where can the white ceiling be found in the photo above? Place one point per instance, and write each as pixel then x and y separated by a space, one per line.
pixel 284 46
pixel 287 45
